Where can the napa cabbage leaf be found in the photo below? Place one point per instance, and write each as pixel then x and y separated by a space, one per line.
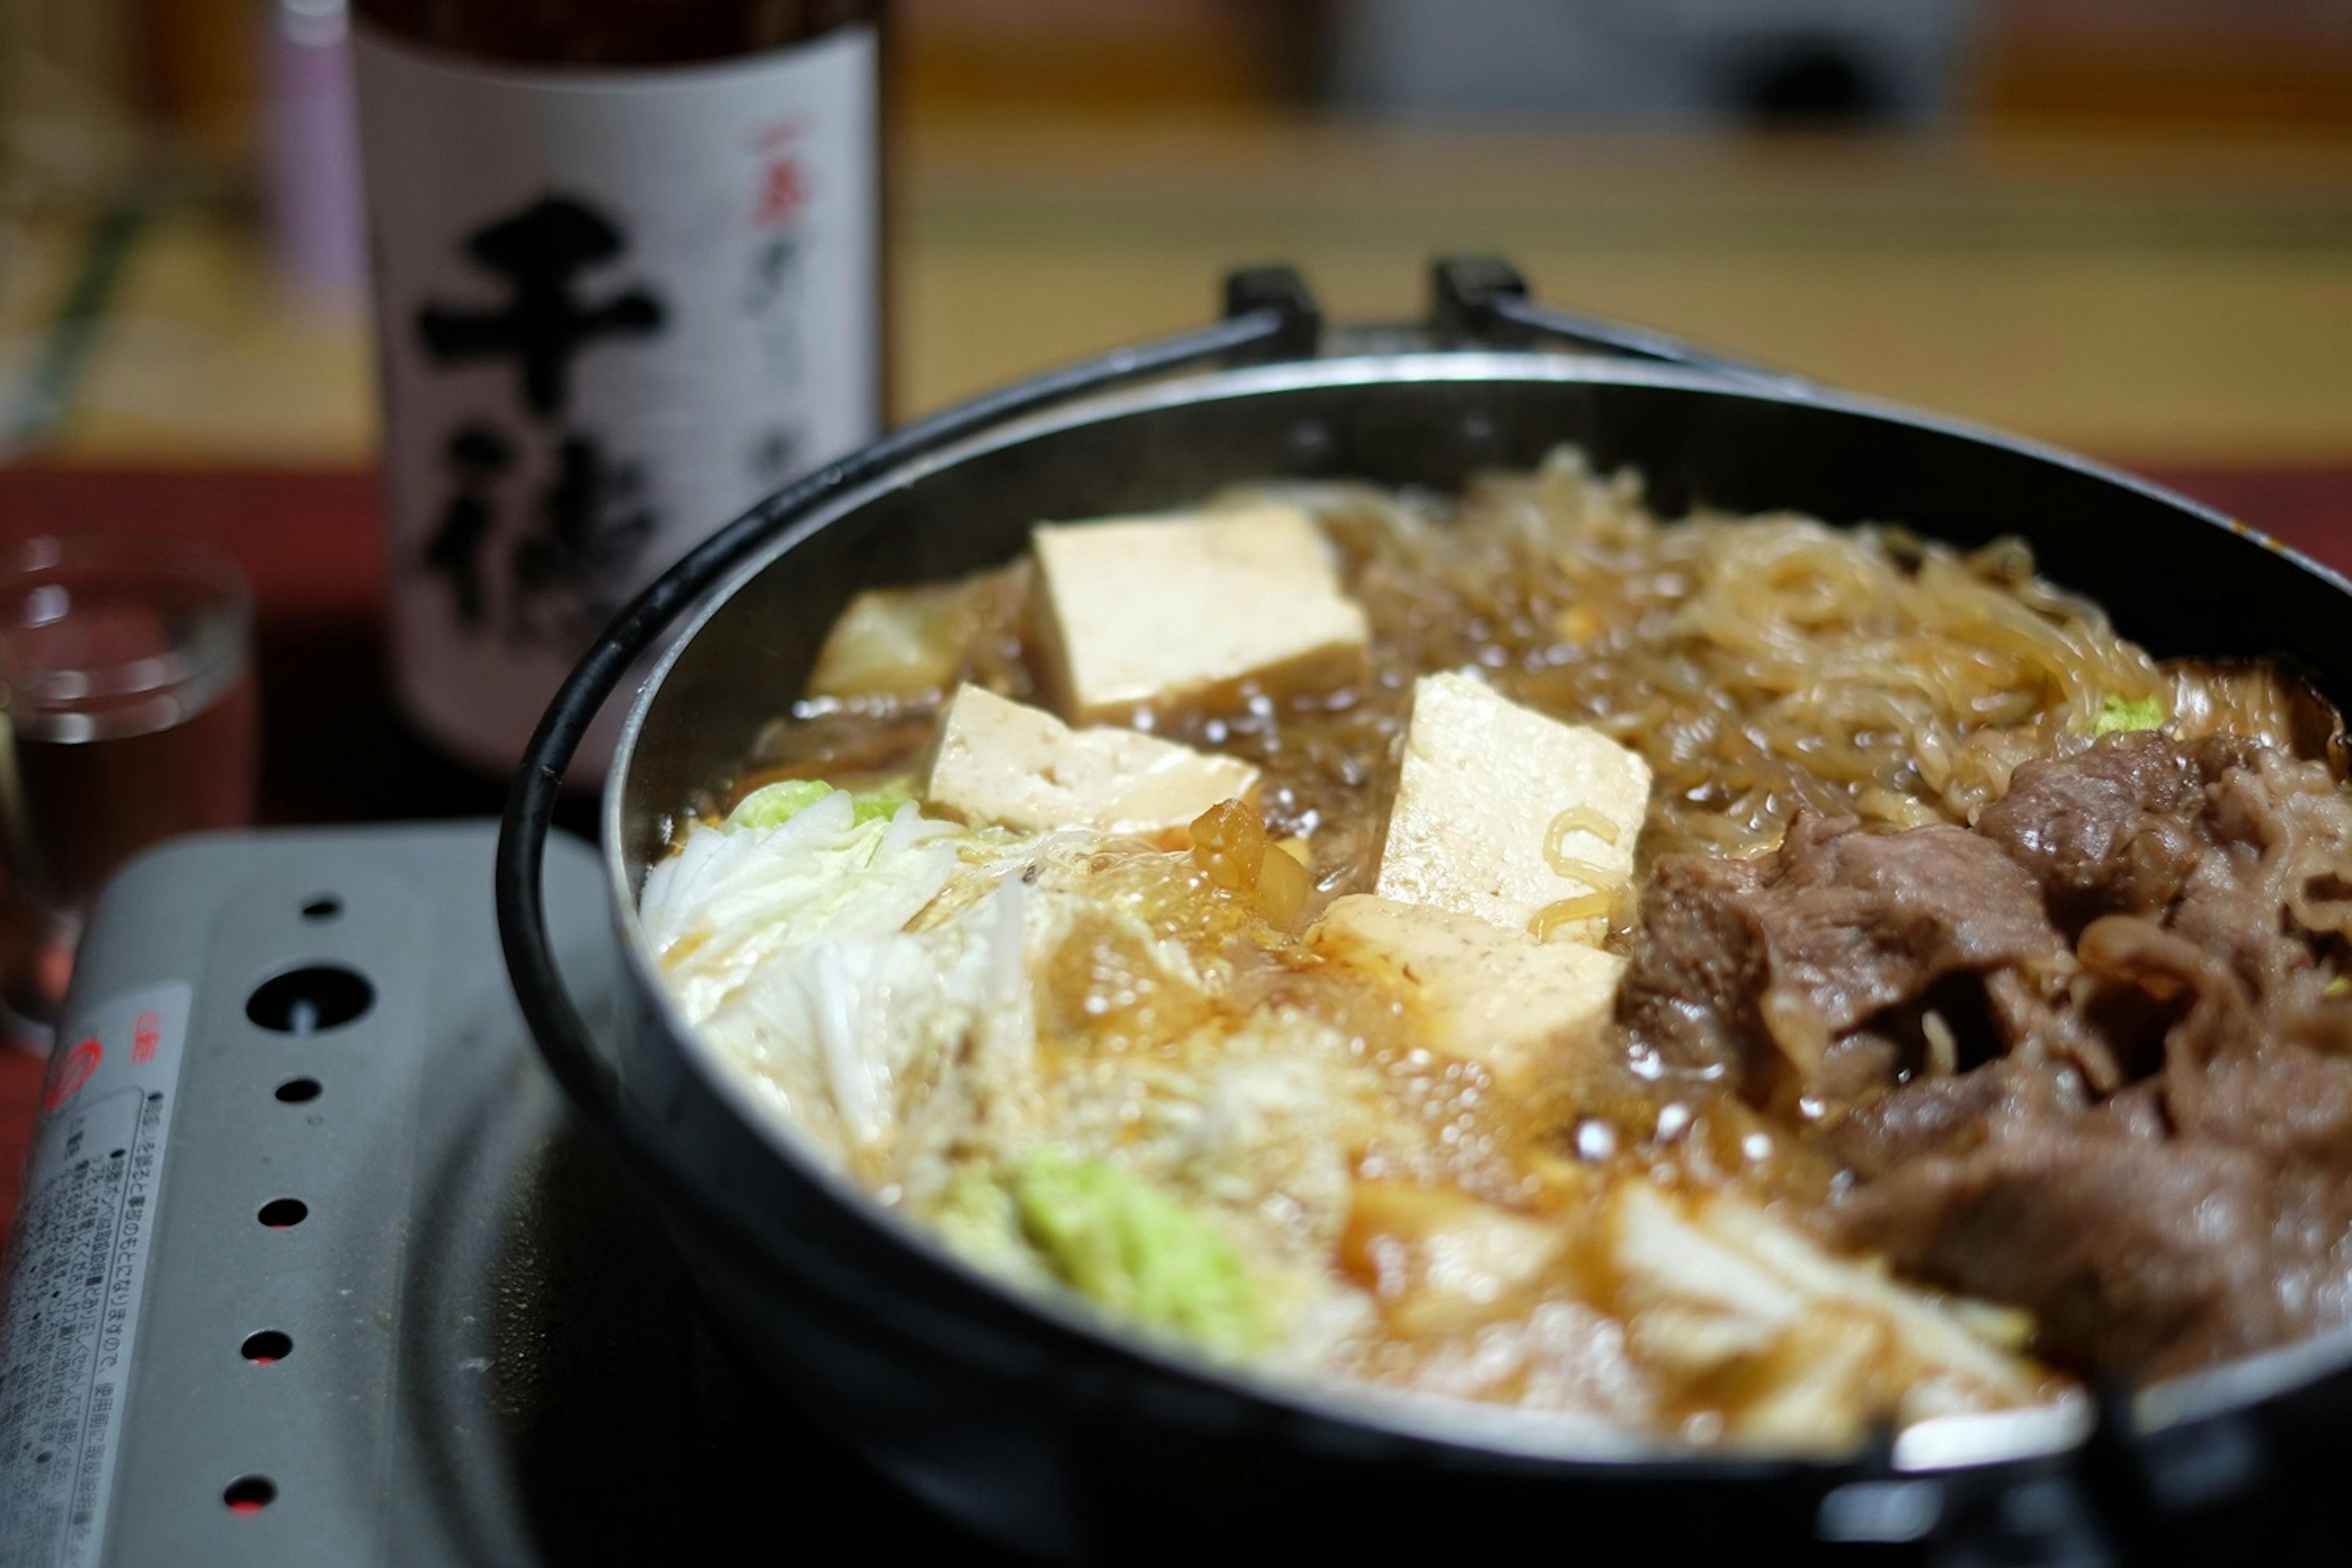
pixel 2120 715
pixel 1122 1242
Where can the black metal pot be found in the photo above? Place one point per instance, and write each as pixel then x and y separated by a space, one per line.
pixel 1042 1430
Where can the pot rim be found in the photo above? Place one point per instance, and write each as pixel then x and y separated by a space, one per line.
pixel 1942 1443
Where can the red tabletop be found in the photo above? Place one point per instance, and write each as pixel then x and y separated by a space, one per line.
pixel 307 541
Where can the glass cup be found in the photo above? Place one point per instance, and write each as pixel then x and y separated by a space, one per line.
pixel 127 715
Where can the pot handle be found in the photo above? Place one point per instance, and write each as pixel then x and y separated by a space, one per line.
pixel 1482 300
pixel 1270 314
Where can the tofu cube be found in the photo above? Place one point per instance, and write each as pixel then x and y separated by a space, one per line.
pixel 1155 614
pixel 1004 761
pixel 1482 782
pixel 907 642
pixel 1519 1008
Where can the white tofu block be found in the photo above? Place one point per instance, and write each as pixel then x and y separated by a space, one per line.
pixel 1483 782
pixel 1162 612
pixel 907 642
pixel 1004 761
pixel 1480 992
pixel 884 644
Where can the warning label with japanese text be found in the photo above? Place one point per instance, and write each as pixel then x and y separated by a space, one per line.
pixel 77 1264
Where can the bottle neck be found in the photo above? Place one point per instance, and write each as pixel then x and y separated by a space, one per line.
pixel 611 32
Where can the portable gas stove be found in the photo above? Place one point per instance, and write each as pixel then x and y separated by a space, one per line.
pixel 309 1270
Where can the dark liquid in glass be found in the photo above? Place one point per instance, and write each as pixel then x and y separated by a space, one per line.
pixel 89 806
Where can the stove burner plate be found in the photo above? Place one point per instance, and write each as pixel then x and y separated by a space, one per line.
pixel 392 1311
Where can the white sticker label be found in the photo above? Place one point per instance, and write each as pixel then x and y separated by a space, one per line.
pixel 76 1267
pixel 616 310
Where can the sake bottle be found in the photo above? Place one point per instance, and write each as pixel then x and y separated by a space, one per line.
pixel 627 280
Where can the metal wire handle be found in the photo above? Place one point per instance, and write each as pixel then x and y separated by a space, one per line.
pixel 1484 299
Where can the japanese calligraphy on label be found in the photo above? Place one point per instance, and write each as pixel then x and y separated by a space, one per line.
pixel 616 308
pixel 77 1268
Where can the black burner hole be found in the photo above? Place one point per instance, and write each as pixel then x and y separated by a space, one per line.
pixel 266 1346
pixel 296 1090
pixel 249 1494
pixel 282 1213
pixel 322 908
pixel 306 1001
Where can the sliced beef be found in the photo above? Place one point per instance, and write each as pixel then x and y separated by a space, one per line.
pixel 1776 971
pixel 2137 1255
pixel 2157 1159
pixel 2268 900
pixel 1856 922
pixel 2290 1105
pixel 1698 970
pixel 2116 828
pixel 2142 1245
pixel 1947 1115
pixel 2214 1014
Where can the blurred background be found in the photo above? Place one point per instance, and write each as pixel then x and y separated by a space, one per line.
pixel 2119 225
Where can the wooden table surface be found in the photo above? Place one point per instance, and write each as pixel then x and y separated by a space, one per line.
pixel 2181 303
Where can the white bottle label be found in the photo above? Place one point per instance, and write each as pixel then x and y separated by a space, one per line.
pixel 616 308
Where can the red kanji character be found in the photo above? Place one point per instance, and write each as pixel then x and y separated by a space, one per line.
pixel 146 1033
pixel 782 194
